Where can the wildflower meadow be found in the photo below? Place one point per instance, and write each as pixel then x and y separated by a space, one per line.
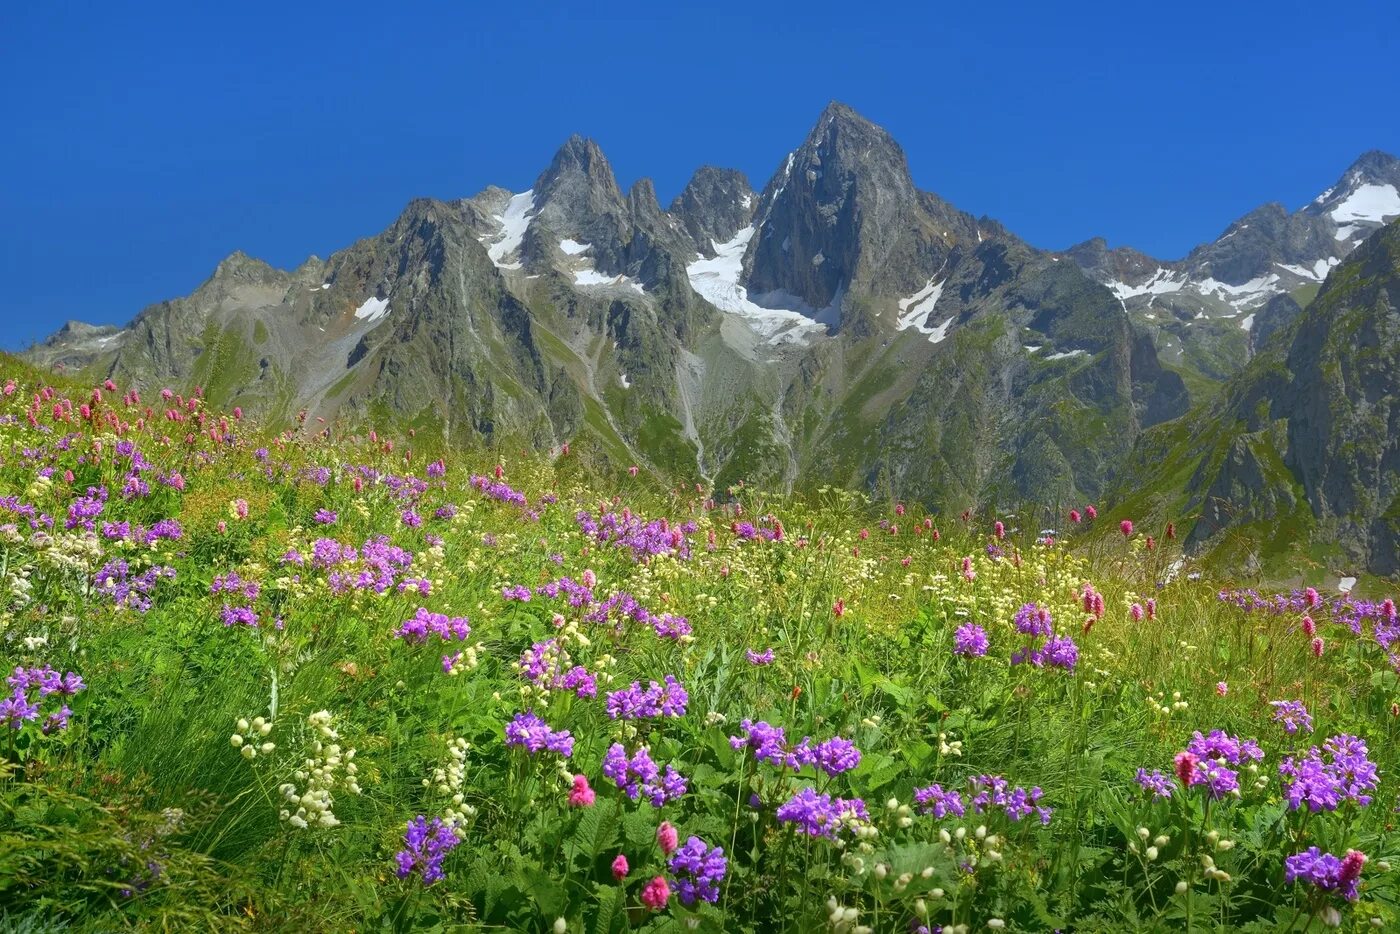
pixel 325 678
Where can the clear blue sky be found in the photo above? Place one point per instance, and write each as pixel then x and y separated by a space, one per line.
pixel 140 148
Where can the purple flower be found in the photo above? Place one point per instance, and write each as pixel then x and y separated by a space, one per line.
pixel 325 517
pixel 1033 620
pixel 632 703
pixel 934 800
pixel 1154 783
pixel 993 791
pixel 970 640
pixel 425 623
pixel 1326 871
pixel 1223 747
pixel 425 846
pixel 1293 715
pixel 769 744
pixel 534 734
pixel 638 775
pixel 759 658
pixel 698 869
pixel 821 815
pixel 1323 779
pixel 837 755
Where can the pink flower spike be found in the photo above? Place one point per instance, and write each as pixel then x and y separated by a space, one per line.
pixel 656 894
pixel 667 838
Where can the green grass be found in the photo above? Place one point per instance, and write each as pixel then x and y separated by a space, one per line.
pixel 858 601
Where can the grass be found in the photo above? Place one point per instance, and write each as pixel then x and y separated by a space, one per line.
pixel 146 812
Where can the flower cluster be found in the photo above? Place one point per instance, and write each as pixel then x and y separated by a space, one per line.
pixel 987 792
pixel 970 640
pixel 769 744
pixel 623 606
pixel 19 707
pixel 1323 779
pixel 1293 715
pixel 127 590
pixel 658 700
pixel 698 870
pixel 240 596
pixel 821 815
pixel 644 539
pixel 534 734
pixel 1326 872
pixel 638 775
pixel 425 623
pixel 426 845
pixel 322 773
pixel 498 490
pixel 934 800
pixel 545 665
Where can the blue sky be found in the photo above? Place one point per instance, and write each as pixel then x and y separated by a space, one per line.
pixel 143 147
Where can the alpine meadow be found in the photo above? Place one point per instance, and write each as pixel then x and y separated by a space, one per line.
pixel 816 556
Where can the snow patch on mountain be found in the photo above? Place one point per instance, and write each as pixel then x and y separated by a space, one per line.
pixel 1254 292
pixel 573 247
pixel 591 276
pixel 717 281
pixel 1162 282
pixel 1368 202
pixel 916 310
pixel 514 221
pixel 373 309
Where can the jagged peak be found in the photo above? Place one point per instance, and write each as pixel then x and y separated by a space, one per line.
pixel 579 156
pixel 1374 164
pixel 240 265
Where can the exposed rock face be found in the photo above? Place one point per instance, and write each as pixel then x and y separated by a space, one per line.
pixel 1304 444
pixel 842 217
pixel 715 205
pixel 1343 410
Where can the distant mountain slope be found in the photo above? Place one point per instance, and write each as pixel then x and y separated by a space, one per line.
pixel 1302 448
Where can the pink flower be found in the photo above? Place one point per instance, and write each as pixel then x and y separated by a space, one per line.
pixel 1185 767
pixel 590 580
pixel 999 530
pixel 620 868
pixel 240 507
pixel 1222 688
pixel 1126 527
pixel 1091 512
pixel 1309 627
pixel 667 838
pixel 1312 597
pixel 839 608
pixel 656 894
pixel 1317 646
pixel 1074 515
pixel 632 472
pixel 1135 611
pixel 1351 868
pixel 581 796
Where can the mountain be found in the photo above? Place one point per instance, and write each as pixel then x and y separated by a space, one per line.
pixel 1205 310
pixel 839 326
pixel 1298 458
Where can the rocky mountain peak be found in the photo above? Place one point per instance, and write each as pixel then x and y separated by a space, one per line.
pixel 1364 198
pixel 842 216
pixel 578 170
pixel 714 206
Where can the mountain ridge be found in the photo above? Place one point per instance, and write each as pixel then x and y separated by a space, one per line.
pixel 840 324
